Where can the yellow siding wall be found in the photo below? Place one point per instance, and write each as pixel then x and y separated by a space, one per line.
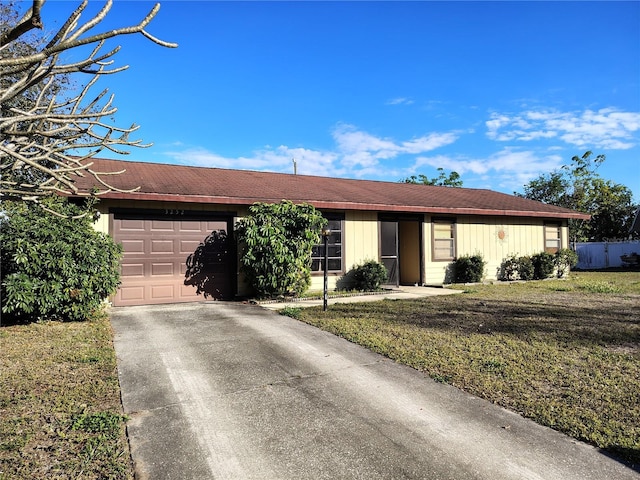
pixel 520 236
pixel 359 243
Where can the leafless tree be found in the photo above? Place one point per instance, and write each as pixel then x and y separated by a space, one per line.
pixel 48 138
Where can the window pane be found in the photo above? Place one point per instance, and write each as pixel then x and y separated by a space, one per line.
pixel 335 225
pixel 443 231
pixel 334 247
pixel 388 247
pixel 443 240
pixel 552 238
pixel 334 264
pixel 443 249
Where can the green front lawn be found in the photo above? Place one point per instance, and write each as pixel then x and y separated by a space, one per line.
pixel 565 353
pixel 60 410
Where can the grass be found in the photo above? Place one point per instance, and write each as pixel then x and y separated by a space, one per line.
pixel 565 353
pixel 60 410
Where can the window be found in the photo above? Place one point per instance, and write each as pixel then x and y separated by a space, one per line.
pixel 334 246
pixel 444 240
pixel 552 238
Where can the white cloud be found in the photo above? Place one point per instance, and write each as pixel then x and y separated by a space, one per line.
pixel 509 168
pixel 278 159
pixel 356 153
pixel 362 148
pixel 400 101
pixel 607 128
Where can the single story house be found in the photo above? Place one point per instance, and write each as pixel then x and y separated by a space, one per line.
pixel 416 231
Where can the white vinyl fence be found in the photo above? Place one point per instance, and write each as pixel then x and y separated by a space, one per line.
pixel 596 255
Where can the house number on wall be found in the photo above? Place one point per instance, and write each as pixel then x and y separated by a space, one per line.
pixel 173 212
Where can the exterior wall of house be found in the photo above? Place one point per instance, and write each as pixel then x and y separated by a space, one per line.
pixel 359 243
pixel 494 237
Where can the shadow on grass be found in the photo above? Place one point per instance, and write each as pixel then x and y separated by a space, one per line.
pixel 613 321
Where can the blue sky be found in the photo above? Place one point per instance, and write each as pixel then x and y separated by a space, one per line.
pixel 498 91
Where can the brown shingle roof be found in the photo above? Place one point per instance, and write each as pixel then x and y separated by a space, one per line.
pixel 180 183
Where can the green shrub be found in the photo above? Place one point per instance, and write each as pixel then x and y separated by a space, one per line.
pixel 276 244
pixel 509 268
pixel 565 260
pixel 517 268
pixel 369 276
pixel 54 267
pixel 469 269
pixel 525 268
pixel 543 265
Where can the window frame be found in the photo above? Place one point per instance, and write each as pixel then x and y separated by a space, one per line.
pixel 451 222
pixel 331 217
pixel 557 228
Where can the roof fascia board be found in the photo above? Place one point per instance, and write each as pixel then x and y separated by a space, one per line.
pixel 139 196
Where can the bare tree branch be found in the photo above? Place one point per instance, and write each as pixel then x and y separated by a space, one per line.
pixel 47 141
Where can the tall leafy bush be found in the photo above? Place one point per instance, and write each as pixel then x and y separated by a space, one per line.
pixel 54 267
pixel 276 242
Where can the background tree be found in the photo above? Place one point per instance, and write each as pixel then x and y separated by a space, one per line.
pixel 578 186
pixel 39 126
pixel 443 180
pixel 276 243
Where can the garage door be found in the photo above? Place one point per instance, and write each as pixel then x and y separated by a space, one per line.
pixel 174 260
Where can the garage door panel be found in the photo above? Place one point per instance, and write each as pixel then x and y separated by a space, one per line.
pixel 131 295
pixel 161 247
pixel 132 225
pixel 183 268
pixel 162 269
pixel 162 292
pixel 189 246
pixel 155 261
pixel 132 247
pixel 191 227
pixel 132 270
pixel 162 226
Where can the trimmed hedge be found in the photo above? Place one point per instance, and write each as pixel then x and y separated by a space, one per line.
pixel 369 276
pixel 469 269
pixel 539 266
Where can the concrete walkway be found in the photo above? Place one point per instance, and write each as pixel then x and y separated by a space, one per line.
pixel 232 391
pixel 402 293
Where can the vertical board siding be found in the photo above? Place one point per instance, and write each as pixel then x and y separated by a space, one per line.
pixel 495 238
pixel 360 243
pixel 361 238
pixel 474 234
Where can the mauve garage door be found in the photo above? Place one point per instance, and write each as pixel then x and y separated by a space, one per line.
pixel 156 255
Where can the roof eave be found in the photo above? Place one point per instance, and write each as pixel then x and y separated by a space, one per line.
pixel 323 204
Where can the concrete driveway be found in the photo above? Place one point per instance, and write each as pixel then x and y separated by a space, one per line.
pixel 234 391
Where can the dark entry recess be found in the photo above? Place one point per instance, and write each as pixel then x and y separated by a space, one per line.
pixel 401 249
